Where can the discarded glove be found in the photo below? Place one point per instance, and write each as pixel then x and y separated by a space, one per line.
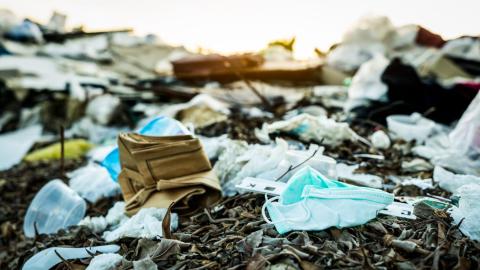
pixel 159 171
pixel 312 202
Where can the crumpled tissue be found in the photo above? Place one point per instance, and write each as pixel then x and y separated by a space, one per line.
pixel 147 223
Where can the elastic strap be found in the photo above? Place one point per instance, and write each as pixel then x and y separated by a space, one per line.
pixel 268 201
pixel 264 207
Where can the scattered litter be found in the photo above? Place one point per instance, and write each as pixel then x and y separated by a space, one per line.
pixel 144 264
pixel 181 179
pixel 147 223
pixel 452 182
pixel 50 257
pixel 468 212
pixel 367 83
pixel 17 144
pixel 93 182
pixel 102 108
pixel 269 124
pixel 397 209
pixel 312 202
pixel 310 128
pixel 75 148
pixel 107 261
pixel 262 186
pixel 413 127
pixel 24 32
pixel 420 183
pixel 159 126
pixel 202 110
pixel 370 156
pixel 380 140
pixel 54 207
pixel 113 219
pixel 465 137
pixel 416 165
pixel 345 171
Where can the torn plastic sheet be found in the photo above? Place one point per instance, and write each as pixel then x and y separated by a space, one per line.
pixel 369 180
pixel 450 181
pixel 17 144
pixel 458 151
pixel 465 137
pixel 468 211
pixel 93 182
pixel 410 127
pixel 310 128
pixel 107 261
pixel 48 258
pixel 420 183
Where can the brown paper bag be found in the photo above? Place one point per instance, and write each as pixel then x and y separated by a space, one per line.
pixel 158 171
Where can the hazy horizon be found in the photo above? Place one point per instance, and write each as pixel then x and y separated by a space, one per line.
pixel 233 26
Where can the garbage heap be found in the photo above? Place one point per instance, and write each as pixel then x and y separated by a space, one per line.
pixel 123 152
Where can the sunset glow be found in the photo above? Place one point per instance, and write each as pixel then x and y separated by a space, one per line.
pixel 245 25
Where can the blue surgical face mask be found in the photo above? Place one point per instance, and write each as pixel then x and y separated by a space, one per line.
pixel 313 202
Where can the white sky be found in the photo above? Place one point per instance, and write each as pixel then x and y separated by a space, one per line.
pixel 242 25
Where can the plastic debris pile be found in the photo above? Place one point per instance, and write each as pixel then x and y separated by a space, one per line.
pixel 123 152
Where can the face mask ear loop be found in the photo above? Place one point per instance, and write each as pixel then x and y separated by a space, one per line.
pixel 264 206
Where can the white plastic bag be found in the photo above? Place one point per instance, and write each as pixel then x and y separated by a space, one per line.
pixel 450 181
pixel 367 82
pixel 465 138
pixel 469 211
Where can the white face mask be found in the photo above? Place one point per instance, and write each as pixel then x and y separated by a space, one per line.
pixel 312 202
